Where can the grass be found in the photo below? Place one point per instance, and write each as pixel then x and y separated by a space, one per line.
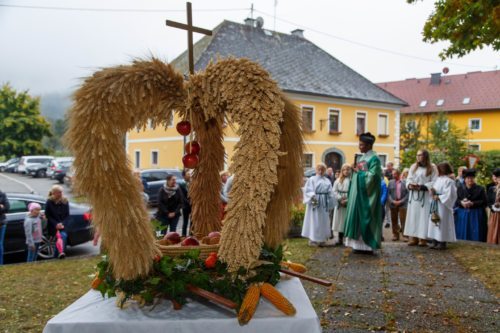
pixel 481 261
pixel 31 294
pixel 297 250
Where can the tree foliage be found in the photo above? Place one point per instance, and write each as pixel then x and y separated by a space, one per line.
pixel 488 161
pixel 58 128
pixel 444 140
pixel 466 24
pixel 22 127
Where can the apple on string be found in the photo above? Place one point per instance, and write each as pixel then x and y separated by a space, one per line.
pixel 183 127
pixel 190 161
pixel 193 147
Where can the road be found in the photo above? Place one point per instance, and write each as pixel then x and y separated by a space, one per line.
pixel 10 182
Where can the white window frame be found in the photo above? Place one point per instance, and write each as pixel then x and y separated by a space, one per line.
pixel 480 125
pixel 466 100
pixel 474 144
pixel 150 123
pixel 340 118
pixel 386 123
pixel 157 157
pixel 137 161
pixel 302 106
pixel 440 102
pixel 173 120
pixel 312 160
pixel 386 159
pixel 356 122
pixel 423 103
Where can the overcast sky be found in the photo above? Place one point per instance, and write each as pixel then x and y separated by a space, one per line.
pixel 50 50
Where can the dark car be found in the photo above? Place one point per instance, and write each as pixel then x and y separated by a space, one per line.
pixel 154 179
pixel 78 227
pixel 11 167
pixel 38 170
pixel 60 171
pixel 5 165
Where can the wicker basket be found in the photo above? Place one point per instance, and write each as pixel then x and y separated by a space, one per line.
pixel 178 250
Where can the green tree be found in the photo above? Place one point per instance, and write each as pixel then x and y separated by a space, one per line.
pixel 22 127
pixel 488 161
pixel 58 127
pixel 410 140
pixel 466 24
pixel 447 142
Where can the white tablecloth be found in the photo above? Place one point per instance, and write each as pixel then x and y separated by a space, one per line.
pixel 91 314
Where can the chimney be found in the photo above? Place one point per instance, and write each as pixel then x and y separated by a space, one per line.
pixel 250 22
pixel 435 79
pixel 298 33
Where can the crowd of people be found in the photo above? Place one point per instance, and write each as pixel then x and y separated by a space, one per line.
pixel 425 204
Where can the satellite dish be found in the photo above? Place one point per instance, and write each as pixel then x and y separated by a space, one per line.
pixel 260 22
pixel 446 70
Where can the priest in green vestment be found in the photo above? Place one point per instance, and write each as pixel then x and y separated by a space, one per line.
pixel 363 225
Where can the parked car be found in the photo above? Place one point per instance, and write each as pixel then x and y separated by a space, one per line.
pixel 55 164
pixel 4 165
pixel 59 172
pixel 69 177
pixel 12 167
pixel 38 170
pixel 30 160
pixel 79 226
pixel 154 179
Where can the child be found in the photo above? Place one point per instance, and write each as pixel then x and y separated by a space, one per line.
pixel 33 230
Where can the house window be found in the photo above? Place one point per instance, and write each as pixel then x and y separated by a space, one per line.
pixel 360 123
pixel 308 160
pixel 383 124
pixel 307 118
pixel 444 126
pixel 171 120
pixel 154 158
pixel 474 147
pixel 150 124
pixel 383 159
pixel 440 102
pixel 475 125
pixel 466 100
pixel 334 120
pixel 423 104
pixel 137 161
pixel 411 124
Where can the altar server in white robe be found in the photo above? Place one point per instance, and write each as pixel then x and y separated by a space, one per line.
pixel 420 179
pixel 318 198
pixel 444 195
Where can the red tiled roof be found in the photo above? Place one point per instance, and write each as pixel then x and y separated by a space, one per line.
pixel 483 89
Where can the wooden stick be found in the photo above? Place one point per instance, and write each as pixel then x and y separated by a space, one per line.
pixel 212 297
pixel 307 277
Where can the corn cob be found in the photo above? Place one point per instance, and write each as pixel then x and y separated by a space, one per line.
pixel 299 268
pixel 96 282
pixel 277 299
pixel 249 304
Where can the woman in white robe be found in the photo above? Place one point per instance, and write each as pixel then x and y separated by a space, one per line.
pixel 420 179
pixel 318 198
pixel 340 192
pixel 444 192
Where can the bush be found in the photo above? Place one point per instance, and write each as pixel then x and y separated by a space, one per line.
pixel 488 161
pixel 298 213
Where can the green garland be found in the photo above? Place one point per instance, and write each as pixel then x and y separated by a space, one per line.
pixel 171 276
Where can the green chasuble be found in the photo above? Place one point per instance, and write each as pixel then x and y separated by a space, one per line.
pixel 364 210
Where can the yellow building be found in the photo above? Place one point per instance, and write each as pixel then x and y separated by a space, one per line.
pixel 337 103
pixel 471 101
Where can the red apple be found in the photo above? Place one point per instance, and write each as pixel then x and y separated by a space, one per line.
pixel 173 237
pixel 193 147
pixel 184 127
pixel 214 234
pixel 190 161
pixel 190 241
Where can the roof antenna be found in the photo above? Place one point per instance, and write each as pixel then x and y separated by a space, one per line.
pixel 275 5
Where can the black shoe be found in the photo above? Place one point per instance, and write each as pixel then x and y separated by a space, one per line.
pixel 441 246
pixel 433 245
pixel 387 226
pixel 362 252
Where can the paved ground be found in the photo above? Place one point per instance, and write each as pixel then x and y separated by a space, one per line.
pixel 400 289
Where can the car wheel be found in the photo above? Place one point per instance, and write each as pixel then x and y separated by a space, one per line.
pixel 2 169
pixel 41 174
pixel 61 181
pixel 47 248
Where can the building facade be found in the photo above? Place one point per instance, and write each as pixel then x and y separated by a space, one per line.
pixel 471 101
pixel 337 104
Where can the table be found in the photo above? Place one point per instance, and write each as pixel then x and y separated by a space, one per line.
pixel 92 314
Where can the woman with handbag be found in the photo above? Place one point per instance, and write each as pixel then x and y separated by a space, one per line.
pixel 441 228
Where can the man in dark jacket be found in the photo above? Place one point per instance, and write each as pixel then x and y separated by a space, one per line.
pixel 4 208
pixel 398 201
pixel 186 207
pixel 170 202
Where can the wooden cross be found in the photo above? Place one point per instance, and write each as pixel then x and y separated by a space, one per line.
pixel 190 29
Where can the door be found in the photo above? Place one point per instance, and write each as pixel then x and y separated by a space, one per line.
pixel 333 160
